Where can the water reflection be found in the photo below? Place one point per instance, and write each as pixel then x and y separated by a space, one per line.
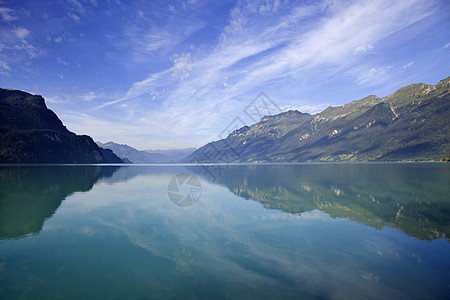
pixel 411 197
pixel 30 195
pixel 126 239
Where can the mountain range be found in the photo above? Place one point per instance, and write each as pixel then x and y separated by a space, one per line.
pixel 411 124
pixel 32 133
pixel 132 155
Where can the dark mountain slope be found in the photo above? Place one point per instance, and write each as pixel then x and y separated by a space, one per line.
pixel 32 133
pixel 23 111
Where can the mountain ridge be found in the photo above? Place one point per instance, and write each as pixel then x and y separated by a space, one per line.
pixel 128 153
pixel 410 124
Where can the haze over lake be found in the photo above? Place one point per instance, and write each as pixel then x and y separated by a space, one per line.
pixel 334 231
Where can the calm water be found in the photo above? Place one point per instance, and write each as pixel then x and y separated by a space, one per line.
pixel 318 231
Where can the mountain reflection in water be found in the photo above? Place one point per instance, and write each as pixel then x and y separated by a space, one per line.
pixel 30 195
pixel 411 197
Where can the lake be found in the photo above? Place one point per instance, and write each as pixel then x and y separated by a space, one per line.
pixel 305 231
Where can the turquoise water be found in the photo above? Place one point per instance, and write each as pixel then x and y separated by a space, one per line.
pixel 308 231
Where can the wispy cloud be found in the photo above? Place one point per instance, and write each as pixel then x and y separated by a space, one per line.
pixel 373 76
pixel 61 61
pixel 21 32
pixel 30 50
pixel 182 66
pixel 333 42
pixel 75 9
pixel 251 57
pixel 89 96
pixel 408 65
pixel 7 14
pixel 157 34
pixel 364 48
pixel 4 68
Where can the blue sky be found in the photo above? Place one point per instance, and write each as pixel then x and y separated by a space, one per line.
pixel 161 74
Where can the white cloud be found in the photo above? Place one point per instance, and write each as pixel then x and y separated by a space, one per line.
pixel 7 14
pixel 61 61
pixel 447 45
pixel 76 6
pixel 76 9
pixel 73 98
pixel 4 68
pixel 182 66
pixel 89 96
pixel 21 32
pixel 269 7
pixel 58 40
pixel 155 94
pixel 75 17
pixel 373 76
pixel 148 39
pixel 364 48
pixel 145 86
pixel 28 48
pixel 408 65
pixel 237 21
pixel 156 40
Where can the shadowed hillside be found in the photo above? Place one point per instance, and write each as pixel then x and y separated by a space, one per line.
pixel 32 133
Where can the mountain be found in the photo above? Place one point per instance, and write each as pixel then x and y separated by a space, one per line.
pixel 411 124
pixel 173 155
pixel 32 133
pixel 133 155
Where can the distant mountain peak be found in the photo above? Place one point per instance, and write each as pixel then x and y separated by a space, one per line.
pixel 355 107
pixel 128 153
pixel 418 92
pixel 286 114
